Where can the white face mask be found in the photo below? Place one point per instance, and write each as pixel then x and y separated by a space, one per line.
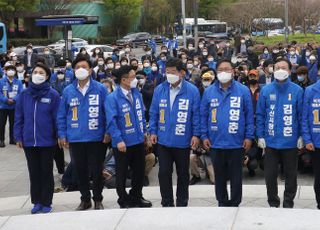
pixel 201 46
pixel 189 66
pixel 97 51
pixel 140 67
pixel 292 53
pixel 124 63
pixel 270 69
pixel 154 68
pixel 210 59
pixel 133 83
pixel 81 74
pixel 266 52
pixel 206 84
pixel 83 52
pixel 308 53
pixel 205 53
pixel 20 69
pixel 29 50
pixel 163 58
pixel 60 76
pixel 46 52
pixel 148 53
pixel 146 65
pixel 110 66
pixel 312 58
pixel 243 41
pixel 117 67
pixel 11 73
pixel 224 77
pixel 196 63
pixel 68 65
pixel 281 75
pixel 142 81
pixel 127 50
pixel 38 79
pixel 172 78
pixel 100 62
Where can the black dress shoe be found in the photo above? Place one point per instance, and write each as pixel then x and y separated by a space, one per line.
pixel 143 203
pixel 2 145
pixel 12 143
pixel 194 180
pixel 98 205
pixel 84 206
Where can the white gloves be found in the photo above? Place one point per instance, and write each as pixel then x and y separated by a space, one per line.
pixel 300 143
pixel 262 143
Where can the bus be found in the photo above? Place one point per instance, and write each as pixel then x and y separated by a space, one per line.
pixel 267 27
pixel 206 29
pixel 3 38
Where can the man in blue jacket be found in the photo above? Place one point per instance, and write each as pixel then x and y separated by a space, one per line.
pixel 311 131
pixel 278 129
pixel 10 89
pixel 126 124
pixel 175 127
pixel 81 124
pixel 227 128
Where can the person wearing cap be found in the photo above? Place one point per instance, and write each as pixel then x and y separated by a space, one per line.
pixel 63 77
pixel 35 131
pixel 30 58
pixel 10 89
pixel 81 126
pixel 303 79
pixel 126 124
pixel 175 127
pixel 227 130
pixel 207 79
pixel 278 129
pixel 267 77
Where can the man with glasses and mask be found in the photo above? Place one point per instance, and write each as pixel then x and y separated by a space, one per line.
pixel 81 125
pixel 278 129
pixel 227 129
pixel 126 124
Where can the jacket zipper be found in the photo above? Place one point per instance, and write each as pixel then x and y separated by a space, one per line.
pixel 34 124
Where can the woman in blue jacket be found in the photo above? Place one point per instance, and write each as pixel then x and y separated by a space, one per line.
pixel 35 132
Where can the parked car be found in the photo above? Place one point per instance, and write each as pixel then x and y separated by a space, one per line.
pixel 21 51
pixel 107 50
pixel 134 40
pixel 76 43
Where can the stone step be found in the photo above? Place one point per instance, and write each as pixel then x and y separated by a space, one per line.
pixel 200 195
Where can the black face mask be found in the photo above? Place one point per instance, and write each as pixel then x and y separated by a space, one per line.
pixel 253 82
pixel 135 67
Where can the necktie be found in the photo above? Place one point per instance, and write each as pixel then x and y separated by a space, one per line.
pixel 129 96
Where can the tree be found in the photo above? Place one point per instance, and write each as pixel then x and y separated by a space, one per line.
pixel 123 14
pixel 209 8
pixel 10 8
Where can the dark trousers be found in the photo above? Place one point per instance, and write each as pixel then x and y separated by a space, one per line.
pixel 40 166
pixel 227 164
pixel 289 159
pixel 134 158
pixel 316 172
pixel 88 158
pixel 59 159
pixel 181 157
pixel 4 114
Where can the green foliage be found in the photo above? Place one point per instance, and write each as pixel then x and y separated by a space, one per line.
pixel 208 8
pixel 122 14
pixel 300 38
pixel 17 5
pixel 36 41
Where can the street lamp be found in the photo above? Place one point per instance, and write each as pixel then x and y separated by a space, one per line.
pixel 183 9
pixel 286 15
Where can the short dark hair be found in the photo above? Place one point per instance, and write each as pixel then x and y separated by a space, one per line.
pixel 121 72
pixel 267 62
pixel 174 62
pixel 45 67
pixel 81 58
pixel 285 60
pixel 224 61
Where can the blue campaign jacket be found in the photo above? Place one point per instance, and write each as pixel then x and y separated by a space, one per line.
pixel 82 118
pixel 227 117
pixel 175 127
pixel 310 116
pixel 35 120
pixel 162 67
pixel 279 114
pixel 9 90
pixel 125 122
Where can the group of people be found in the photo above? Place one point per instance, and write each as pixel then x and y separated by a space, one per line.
pixel 192 105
